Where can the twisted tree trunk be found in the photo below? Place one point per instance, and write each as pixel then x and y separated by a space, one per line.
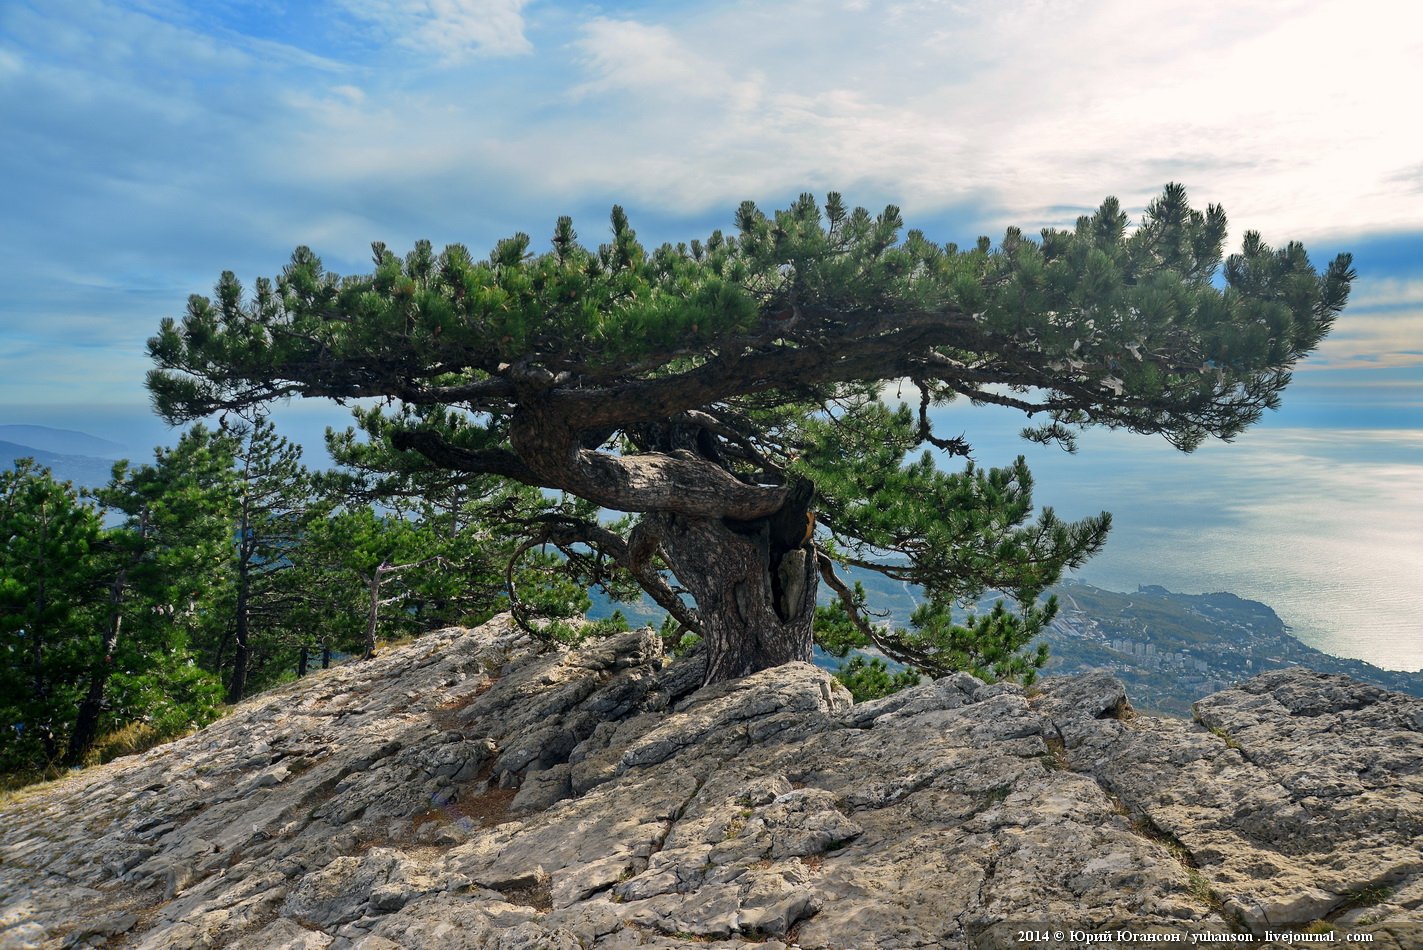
pixel 741 545
pixel 755 594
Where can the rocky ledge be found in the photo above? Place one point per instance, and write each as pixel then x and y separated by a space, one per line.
pixel 470 790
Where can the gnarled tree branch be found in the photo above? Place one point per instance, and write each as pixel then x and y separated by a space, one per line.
pixel 634 557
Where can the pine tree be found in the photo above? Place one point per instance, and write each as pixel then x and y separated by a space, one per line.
pixel 468 531
pixel 730 393
pixel 50 600
pixel 271 502
pixel 873 679
pixel 163 568
pixel 352 565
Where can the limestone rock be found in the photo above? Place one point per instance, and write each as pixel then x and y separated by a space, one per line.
pixel 476 790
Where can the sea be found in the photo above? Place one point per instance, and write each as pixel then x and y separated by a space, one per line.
pixel 1322 523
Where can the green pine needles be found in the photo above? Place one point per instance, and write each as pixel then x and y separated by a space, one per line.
pixel 730 396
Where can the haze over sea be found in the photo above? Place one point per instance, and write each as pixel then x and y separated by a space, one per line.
pixel 1324 525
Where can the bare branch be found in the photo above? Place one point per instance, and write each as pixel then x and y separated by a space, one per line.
pixel 868 630
pixel 953 447
pixel 635 558
pixel 483 462
pixel 712 424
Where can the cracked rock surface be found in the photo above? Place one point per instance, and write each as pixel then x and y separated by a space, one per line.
pixel 470 790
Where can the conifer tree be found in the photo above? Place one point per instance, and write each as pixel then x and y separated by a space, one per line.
pixel 353 563
pixel 163 569
pixel 730 393
pixel 271 501
pixel 50 599
pixel 440 537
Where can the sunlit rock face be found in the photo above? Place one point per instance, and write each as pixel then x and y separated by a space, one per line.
pixel 471 790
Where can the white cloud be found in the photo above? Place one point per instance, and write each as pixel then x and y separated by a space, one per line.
pixel 1033 110
pixel 1386 292
pixel 1372 340
pixel 633 57
pixel 353 94
pixel 652 63
pixel 1381 328
pixel 10 62
pixel 453 29
pixel 1356 360
pixel 160 147
pixel 1279 111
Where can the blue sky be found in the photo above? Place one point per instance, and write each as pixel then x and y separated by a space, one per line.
pixel 149 145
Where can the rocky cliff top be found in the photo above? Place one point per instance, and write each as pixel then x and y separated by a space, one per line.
pixel 470 791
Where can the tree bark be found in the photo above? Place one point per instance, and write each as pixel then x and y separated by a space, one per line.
pixel 741 548
pixel 755 599
pixel 242 654
pixel 373 610
pixel 86 726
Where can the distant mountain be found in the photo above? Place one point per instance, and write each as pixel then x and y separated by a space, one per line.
pixel 1170 649
pixel 62 441
pixel 86 471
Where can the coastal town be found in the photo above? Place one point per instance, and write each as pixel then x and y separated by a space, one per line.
pixel 1172 649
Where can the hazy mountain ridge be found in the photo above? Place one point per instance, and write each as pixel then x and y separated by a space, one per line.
pixel 62 441
pixel 84 471
pixel 1170 648
pixel 1199 643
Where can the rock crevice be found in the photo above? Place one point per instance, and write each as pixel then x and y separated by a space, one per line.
pixel 474 790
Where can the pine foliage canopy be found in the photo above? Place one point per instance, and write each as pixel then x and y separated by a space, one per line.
pixel 733 393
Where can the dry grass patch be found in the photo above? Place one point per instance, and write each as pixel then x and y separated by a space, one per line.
pixel 538 896
pixel 1055 759
pixel 131 739
pixel 491 808
pixel 445 715
pixel 17 787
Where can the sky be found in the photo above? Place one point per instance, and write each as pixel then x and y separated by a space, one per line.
pixel 147 146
